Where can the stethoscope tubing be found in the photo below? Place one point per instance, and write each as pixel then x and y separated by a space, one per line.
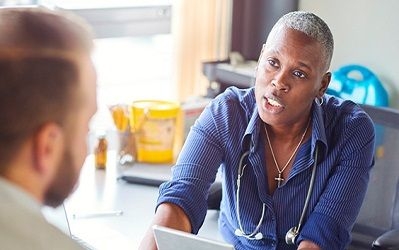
pixel 250 236
pixel 311 185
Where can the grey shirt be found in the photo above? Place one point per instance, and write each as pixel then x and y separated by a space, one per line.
pixel 23 226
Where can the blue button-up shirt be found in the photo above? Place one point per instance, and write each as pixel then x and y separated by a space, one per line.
pixel 231 126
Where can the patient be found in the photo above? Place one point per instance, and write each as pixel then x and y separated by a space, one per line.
pixel 47 97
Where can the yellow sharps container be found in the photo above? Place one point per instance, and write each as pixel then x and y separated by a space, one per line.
pixel 154 124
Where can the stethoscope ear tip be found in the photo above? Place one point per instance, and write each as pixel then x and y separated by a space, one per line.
pixel 259 236
pixel 238 232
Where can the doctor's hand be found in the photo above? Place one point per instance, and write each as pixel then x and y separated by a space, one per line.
pixel 308 245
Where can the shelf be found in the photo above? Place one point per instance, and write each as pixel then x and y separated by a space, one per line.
pixel 226 75
pixel 124 20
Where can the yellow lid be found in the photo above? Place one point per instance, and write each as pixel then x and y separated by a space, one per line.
pixel 156 108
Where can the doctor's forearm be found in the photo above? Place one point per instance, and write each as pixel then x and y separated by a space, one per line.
pixel 168 215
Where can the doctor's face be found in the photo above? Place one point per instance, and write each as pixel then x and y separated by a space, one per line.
pixel 290 75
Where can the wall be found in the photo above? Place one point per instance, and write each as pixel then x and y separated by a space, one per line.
pixel 252 21
pixel 366 32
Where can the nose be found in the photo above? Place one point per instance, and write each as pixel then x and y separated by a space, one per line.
pixel 279 85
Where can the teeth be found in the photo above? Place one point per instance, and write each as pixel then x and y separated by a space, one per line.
pixel 273 102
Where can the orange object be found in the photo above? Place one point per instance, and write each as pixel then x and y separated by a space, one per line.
pixel 101 153
pixel 120 117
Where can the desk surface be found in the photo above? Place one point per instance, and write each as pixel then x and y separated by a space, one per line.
pixel 100 191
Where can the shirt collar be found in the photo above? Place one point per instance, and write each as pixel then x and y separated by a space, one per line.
pixel 250 139
pixel 318 129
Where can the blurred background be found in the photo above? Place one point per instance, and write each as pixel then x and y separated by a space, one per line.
pixel 159 49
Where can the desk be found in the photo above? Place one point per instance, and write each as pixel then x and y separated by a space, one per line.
pixel 100 191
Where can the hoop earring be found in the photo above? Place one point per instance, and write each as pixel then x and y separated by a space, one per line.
pixel 319 101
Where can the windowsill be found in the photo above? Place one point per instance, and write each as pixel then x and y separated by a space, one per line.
pixel 123 18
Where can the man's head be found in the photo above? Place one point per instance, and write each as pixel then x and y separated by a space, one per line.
pixel 47 97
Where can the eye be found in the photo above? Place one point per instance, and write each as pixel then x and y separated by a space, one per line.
pixel 272 62
pixel 299 74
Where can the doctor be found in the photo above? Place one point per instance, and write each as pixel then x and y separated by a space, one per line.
pixel 268 140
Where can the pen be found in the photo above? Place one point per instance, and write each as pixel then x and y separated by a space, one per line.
pixel 97 214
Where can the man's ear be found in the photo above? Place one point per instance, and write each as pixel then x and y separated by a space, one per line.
pixel 325 81
pixel 47 148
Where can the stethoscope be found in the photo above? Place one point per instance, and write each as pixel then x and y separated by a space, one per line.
pixel 291 235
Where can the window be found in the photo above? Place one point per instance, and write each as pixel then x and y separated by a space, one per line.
pixel 134 68
pixel 133 51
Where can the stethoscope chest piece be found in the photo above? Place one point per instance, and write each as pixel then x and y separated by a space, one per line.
pixel 291 235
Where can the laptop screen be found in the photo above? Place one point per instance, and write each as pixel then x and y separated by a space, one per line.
pixel 57 217
pixel 171 239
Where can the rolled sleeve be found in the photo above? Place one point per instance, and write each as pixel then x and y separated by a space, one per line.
pixel 188 197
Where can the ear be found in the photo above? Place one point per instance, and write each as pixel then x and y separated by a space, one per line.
pixel 47 148
pixel 325 81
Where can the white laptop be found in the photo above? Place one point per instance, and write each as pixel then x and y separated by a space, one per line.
pixel 92 233
pixel 171 239
pixel 58 217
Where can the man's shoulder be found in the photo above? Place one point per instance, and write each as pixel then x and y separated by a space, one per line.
pixel 24 230
pixel 34 236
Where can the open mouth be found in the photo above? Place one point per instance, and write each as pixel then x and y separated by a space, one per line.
pixel 273 103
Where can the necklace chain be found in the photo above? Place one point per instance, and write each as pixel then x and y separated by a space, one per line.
pixel 279 179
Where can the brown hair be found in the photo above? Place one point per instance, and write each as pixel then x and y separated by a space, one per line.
pixel 38 72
